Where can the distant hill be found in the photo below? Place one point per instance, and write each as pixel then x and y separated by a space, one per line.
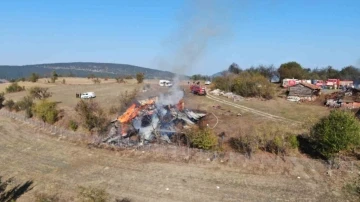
pixel 80 69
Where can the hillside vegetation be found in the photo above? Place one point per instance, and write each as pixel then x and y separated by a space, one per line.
pixel 80 69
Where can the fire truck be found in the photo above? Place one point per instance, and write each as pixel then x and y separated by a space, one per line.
pixel 197 89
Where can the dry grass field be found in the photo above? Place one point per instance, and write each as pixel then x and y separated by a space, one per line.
pixel 59 166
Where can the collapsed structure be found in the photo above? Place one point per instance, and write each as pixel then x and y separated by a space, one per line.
pixel 151 119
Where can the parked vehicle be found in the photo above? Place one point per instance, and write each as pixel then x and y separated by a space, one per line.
pixel 166 83
pixel 87 95
pixel 207 82
pixel 197 89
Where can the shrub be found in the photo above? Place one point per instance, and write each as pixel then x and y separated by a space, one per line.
pixel 246 84
pixel 42 197
pixel 54 77
pixel 63 81
pixel 274 139
pixel 14 87
pixel 34 77
pixel 140 77
pixel 26 104
pixel 73 125
pixel 120 80
pixel 125 100
pixel 46 111
pixel 129 77
pixel 39 93
pixel 90 194
pixel 202 138
pixel 339 131
pixel 96 81
pixel 9 104
pixel 293 141
pixel 92 116
pixel 244 144
pixel 2 99
pixel 91 76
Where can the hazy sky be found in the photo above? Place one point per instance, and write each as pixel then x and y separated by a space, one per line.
pixel 157 33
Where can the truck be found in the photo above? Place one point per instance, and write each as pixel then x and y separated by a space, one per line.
pixel 197 89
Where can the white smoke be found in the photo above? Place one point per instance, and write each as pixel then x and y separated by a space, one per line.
pixel 202 23
pixel 174 95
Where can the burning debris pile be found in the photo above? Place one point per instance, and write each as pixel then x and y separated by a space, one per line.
pixel 149 120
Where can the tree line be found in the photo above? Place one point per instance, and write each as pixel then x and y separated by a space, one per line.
pixel 292 69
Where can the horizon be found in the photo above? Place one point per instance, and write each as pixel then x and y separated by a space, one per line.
pixel 157 35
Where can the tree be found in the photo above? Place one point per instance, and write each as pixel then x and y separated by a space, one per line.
pixel 339 131
pixel 200 77
pixel 268 72
pixel 54 77
pixel 350 73
pixel 140 77
pixel 40 93
pixel 291 70
pixel 234 68
pixel 34 77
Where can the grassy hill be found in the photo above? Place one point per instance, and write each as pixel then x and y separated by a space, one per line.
pixel 80 69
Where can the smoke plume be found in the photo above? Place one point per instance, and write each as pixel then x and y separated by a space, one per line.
pixel 202 24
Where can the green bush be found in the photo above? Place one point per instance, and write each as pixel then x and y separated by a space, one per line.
pixel 9 104
pixel 73 125
pixel 293 141
pixel 91 194
pixel 339 131
pixel 46 111
pixel 2 99
pixel 92 116
pixel 202 138
pixel 14 87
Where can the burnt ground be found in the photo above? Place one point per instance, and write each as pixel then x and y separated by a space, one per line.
pixel 58 166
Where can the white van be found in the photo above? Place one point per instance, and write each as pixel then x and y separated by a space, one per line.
pixel 87 95
pixel 165 83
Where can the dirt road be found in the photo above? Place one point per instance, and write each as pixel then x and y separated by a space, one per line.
pixel 58 166
pixel 254 111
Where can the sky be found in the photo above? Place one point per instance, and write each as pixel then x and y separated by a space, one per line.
pixel 162 34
